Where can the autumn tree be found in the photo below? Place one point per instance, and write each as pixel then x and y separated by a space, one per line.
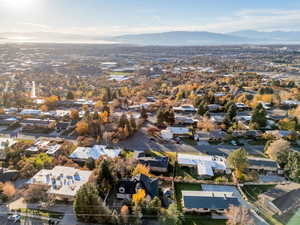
pixel 82 128
pixel 239 216
pixel 9 189
pixel 206 124
pixel 74 114
pixel 277 149
pixel 171 216
pixel 138 196
pixel 124 214
pixel 141 169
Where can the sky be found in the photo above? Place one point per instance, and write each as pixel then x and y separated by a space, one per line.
pixel 116 17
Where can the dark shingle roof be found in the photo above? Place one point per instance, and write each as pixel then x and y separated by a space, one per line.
pixel 197 202
pixel 290 199
pixel 161 162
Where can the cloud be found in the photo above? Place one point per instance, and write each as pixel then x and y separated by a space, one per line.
pixel 257 19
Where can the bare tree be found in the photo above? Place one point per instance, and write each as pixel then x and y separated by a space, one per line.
pixel 239 216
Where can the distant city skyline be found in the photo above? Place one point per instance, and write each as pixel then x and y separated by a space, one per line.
pixel 117 17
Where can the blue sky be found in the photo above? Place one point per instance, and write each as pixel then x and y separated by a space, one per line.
pixel 113 17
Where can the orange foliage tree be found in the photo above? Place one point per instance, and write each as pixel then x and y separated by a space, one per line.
pixel 141 169
pixel 82 128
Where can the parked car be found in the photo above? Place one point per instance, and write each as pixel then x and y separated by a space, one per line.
pixel 15 218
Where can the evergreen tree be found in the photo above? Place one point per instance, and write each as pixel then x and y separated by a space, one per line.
pixel 133 123
pixel 202 108
pixel 90 163
pixel 89 207
pixel 259 116
pixel 154 206
pixel 238 160
pixel 160 117
pixel 70 95
pixel 105 179
pixel 123 121
pixel 144 114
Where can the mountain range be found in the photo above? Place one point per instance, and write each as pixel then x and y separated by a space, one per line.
pixel 183 38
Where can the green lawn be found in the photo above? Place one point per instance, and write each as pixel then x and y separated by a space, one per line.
pixel 185 186
pixel 201 220
pixel 252 191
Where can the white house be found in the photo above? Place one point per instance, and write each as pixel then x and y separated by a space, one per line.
pixel 206 166
pixel 63 182
pixel 172 132
pixel 84 153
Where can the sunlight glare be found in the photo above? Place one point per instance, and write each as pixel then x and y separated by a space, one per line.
pixel 17 4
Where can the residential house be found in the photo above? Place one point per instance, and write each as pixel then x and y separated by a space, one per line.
pixel 84 153
pixel 208 201
pixel 8 175
pixel 263 165
pixel 63 182
pixel 281 199
pixel 185 109
pixel 173 132
pixel 206 166
pixel 185 121
pixel 156 164
pixel 125 188
pixel 278 134
pixel 30 112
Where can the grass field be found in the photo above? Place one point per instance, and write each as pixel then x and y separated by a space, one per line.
pixel 202 220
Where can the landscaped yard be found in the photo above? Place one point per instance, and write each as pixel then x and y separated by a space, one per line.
pixel 252 191
pixel 186 172
pixel 201 220
pixel 185 186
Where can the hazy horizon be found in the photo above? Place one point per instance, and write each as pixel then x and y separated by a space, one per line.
pixel 118 17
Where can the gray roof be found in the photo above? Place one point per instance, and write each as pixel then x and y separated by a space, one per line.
pixel 213 203
pixel 289 200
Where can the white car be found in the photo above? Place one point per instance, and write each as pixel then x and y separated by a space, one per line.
pixel 16 218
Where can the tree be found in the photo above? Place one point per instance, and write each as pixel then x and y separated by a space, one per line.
pixel 70 95
pixel 105 180
pixel 160 117
pixel 202 109
pixel 124 214
pixel 231 112
pixel 239 216
pixel 238 160
pixel 133 123
pixel 90 163
pixel 82 128
pixel 44 108
pixel 278 149
pixel 292 168
pixel 153 208
pixel 36 193
pixel 89 207
pixel 9 189
pixel 259 116
pixel 144 114
pixel 206 124
pixel 138 196
pixel 141 169
pixel 171 216
pixel 74 114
